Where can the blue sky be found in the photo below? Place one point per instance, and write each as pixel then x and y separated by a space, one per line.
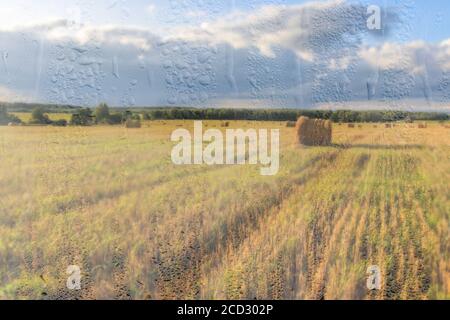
pixel 432 21
pixel 225 53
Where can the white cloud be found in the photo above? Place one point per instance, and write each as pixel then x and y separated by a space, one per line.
pixel 10 95
pixel 299 28
pixel 309 30
pixel 414 56
pixel 151 8
pixel 196 14
pixel 137 37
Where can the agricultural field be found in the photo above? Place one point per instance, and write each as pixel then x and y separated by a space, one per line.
pixel 109 200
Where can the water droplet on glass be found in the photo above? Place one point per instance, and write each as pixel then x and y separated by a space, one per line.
pixel 115 68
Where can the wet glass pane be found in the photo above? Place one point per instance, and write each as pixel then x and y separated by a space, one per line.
pixel 224 149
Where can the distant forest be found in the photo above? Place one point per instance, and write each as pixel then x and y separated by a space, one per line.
pixel 176 113
pixel 291 115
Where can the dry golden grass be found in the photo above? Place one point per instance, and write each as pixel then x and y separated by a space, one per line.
pixel 109 200
pixel 26 116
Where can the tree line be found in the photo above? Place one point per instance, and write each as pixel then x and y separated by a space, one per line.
pixel 81 117
pixel 102 114
pixel 347 116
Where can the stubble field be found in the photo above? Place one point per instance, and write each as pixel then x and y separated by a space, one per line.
pixel 109 200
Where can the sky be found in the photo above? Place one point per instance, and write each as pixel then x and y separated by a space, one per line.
pixel 226 53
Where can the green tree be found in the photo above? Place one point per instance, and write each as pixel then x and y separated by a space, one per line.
pixel 39 117
pixel 60 123
pixel 83 118
pixel 102 113
pixel 6 118
pixel 3 111
pixel 115 118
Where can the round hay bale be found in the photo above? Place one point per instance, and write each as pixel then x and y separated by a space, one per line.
pixel 301 129
pixel 316 132
pixel 132 124
pixel 313 132
pixel 423 125
pixel 328 132
pixel 323 135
